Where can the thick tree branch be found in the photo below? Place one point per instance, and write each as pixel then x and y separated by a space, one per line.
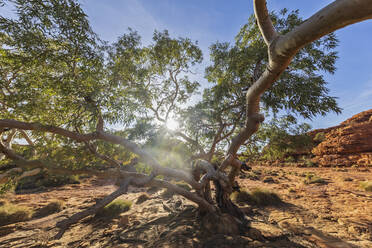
pixel 191 141
pixel 26 137
pixel 65 224
pixel 334 16
pixel 93 149
pixel 138 179
pixel 145 156
pixel 281 51
pixel 264 21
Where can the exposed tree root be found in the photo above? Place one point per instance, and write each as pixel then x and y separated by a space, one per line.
pixel 65 224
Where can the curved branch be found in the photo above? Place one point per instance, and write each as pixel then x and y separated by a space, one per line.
pixel 264 21
pixel 190 140
pixel 334 16
pixel 65 224
pixel 138 179
pixel 93 149
pixel 145 156
pixel 26 137
pixel 282 49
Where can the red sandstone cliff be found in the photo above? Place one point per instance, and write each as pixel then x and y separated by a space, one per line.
pixel 347 144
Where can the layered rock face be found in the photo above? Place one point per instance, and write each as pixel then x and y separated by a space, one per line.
pixel 347 144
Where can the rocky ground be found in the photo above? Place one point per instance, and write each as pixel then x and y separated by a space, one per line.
pixel 335 212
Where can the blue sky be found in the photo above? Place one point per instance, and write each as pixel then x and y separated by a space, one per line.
pixel 210 20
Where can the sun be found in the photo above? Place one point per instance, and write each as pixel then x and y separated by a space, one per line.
pixel 171 124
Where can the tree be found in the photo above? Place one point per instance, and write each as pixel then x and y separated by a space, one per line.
pixel 300 89
pixel 80 90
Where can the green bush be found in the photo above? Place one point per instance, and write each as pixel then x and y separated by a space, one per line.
pixel 258 197
pixel 366 185
pixel 10 213
pixel 114 209
pixel 290 159
pixel 319 137
pixel 314 179
pixel 45 180
pixel 309 163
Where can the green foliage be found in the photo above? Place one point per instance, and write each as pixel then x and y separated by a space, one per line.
pixel 7 186
pixel 153 78
pixel 257 197
pixel 10 213
pixel 56 71
pixel 44 180
pixel 314 179
pixel 279 138
pixel 319 137
pixel 309 163
pixel 289 159
pixel 366 185
pixel 50 55
pixel 301 89
pixel 114 209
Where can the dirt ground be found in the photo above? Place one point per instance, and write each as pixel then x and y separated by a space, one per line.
pixel 334 213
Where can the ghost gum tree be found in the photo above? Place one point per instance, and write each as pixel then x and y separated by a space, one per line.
pixel 300 89
pixel 58 91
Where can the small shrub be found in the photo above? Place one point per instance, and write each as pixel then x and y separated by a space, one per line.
pixel 319 137
pixel 289 159
pixel 258 197
pixel 51 208
pixel 142 198
pixel 44 180
pixel 314 179
pixel 265 198
pixel 309 163
pixel 114 209
pixel 10 213
pixel 366 185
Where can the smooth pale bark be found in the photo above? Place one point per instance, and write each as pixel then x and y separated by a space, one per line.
pixel 282 48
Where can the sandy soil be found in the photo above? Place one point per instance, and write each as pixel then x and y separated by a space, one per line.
pixel 335 214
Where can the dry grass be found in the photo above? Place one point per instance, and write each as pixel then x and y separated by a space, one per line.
pixel 114 209
pixel 51 208
pixel 257 197
pixel 10 213
pixel 314 179
pixel 366 185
